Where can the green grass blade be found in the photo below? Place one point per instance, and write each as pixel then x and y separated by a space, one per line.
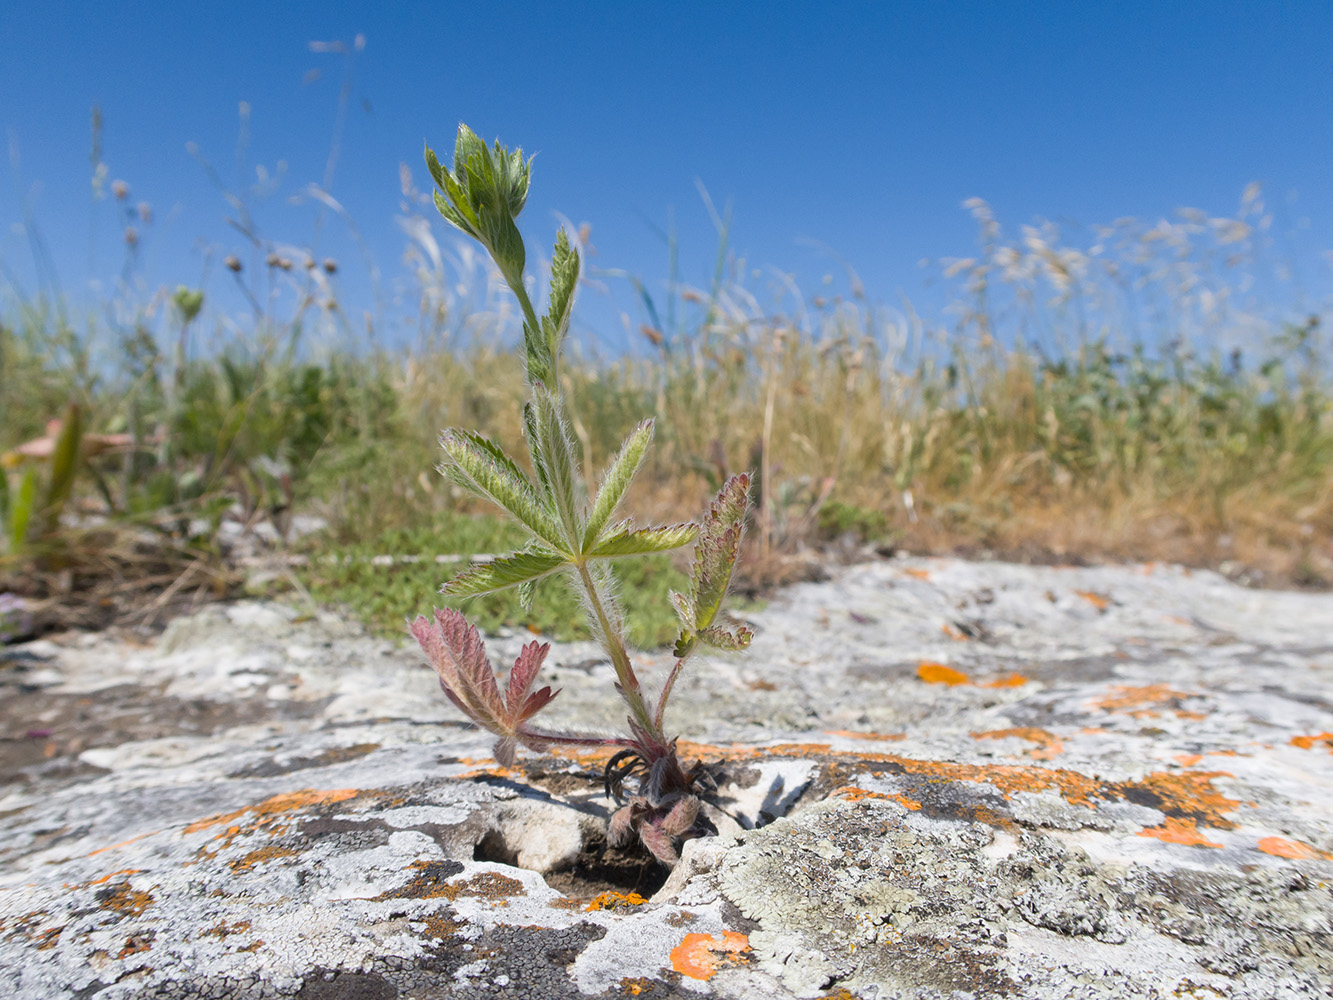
pixel 64 463
pixel 20 514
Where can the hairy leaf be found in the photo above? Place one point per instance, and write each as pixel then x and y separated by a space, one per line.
pixel 645 540
pixel 519 703
pixel 534 437
pixel 616 481
pixel 722 638
pixel 480 466
pixel 714 559
pixel 538 361
pixel 483 194
pixel 559 458
pixel 719 544
pixel 564 279
pixel 527 590
pixel 503 572
pixel 455 649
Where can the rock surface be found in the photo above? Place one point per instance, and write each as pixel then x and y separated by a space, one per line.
pixel 937 778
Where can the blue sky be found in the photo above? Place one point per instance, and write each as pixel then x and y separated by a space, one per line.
pixel 858 126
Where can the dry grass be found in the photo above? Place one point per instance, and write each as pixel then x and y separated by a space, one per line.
pixel 1123 399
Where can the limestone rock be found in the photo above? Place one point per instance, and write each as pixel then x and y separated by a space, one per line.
pixel 935 778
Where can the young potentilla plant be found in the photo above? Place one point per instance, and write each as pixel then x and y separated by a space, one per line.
pixel 571 536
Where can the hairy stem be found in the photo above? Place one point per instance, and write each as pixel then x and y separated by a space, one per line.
pixel 614 642
pixel 526 732
pixel 530 320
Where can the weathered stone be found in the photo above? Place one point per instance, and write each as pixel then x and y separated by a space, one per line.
pixel 934 778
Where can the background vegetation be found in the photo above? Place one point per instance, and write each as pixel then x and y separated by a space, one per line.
pixel 1136 391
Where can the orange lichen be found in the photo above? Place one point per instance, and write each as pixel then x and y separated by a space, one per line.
pixel 634 987
pixel 700 956
pixel 917 574
pixel 616 901
pixel 440 928
pixel 1187 796
pixel 126 900
pixel 851 793
pixel 1048 744
pixel 102 879
pixel 1144 702
pixel 136 944
pixel 1188 759
pixel 1308 742
pixel 259 856
pixel 223 929
pixel 1179 831
pixel 938 673
pixel 103 850
pixel 956 634
pixel 1293 849
pixel 1190 795
pixel 492 771
pixel 847 734
pixel 1099 601
pixel 286 802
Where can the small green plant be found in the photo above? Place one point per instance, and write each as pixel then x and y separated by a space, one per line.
pixel 571 536
pixel 18 507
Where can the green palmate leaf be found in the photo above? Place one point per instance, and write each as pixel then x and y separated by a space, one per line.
pixel 559 459
pixel 564 279
pixel 504 572
pixel 615 481
pixel 645 540
pixel 479 466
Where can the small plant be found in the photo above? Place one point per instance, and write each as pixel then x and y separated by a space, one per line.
pixel 571 536
pixel 60 452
